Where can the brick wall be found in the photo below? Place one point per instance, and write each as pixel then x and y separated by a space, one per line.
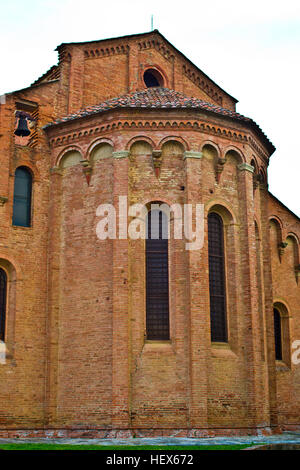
pixel 78 358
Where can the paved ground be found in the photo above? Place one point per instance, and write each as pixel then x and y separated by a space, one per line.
pixel 286 437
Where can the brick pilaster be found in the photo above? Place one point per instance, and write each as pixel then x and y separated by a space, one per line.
pixel 120 348
pixel 251 344
pixel 52 320
pixel 76 80
pixel 197 306
pixel 268 297
pixel 133 68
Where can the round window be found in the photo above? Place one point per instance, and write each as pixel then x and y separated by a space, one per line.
pixel 153 78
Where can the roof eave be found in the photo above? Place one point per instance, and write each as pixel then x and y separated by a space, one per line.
pixel 250 124
pixel 32 87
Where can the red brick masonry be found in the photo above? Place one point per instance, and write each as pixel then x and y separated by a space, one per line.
pixel 78 363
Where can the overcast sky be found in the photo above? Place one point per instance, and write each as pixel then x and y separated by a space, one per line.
pixel 251 49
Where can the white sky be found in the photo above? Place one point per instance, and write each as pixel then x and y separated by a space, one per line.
pixel 251 49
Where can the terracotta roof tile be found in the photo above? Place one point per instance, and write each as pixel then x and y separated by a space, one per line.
pixel 157 97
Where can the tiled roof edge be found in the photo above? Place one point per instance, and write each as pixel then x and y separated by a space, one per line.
pixel 156 94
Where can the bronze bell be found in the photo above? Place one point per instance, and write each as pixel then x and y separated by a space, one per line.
pixel 22 129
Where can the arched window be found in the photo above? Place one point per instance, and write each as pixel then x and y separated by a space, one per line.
pixel 22 197
pixel 277 335
pixel 3 294
pixel 152 78
pixel 217 282
pixel 157 276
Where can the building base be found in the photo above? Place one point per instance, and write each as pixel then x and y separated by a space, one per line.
pixel 98 433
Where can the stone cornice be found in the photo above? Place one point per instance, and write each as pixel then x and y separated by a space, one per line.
pixel 121 154
pixel 192 154
pixel 246 167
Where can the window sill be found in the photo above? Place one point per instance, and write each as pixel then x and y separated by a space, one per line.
pixel 18 227
pixel 158 346
pixel 222 350
pixel 282 366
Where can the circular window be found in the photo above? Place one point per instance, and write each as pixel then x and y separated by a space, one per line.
pixel 153 78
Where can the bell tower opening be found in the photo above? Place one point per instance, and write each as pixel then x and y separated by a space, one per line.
pixel 152 78
pixel 26 118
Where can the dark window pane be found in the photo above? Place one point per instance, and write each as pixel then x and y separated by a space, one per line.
pixel 157 277
pixel 277 335
pixel 22 198
pixel 3 289
pixel 151 79
pixel 217 286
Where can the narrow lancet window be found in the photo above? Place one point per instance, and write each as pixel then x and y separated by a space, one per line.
pixel 217 282
pixel 22 197
pixel 277 335
pixel 157 277
pixel 3 295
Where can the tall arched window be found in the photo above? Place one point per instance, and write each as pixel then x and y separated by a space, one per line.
pixel 3 294
pixel 277 335
pixel 217 282
pixel 157 276
pixel 22 197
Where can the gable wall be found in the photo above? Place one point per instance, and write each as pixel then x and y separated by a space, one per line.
pixel 104 70
pixel 104 78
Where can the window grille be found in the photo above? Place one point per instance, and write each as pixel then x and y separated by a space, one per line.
pixel 3 290
pixel 157 277
pixel 277 335
pixel 217 282
pixel 22 197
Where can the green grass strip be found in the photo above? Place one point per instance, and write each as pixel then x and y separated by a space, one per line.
pixel 32 446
